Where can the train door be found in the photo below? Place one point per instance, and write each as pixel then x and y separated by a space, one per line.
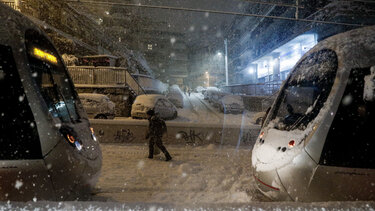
pixel 23 174
pixel 347 163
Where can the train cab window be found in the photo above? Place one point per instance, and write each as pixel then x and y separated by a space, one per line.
pixel 305 91
pixel 350 140
pixel 18 133
pixel 51 77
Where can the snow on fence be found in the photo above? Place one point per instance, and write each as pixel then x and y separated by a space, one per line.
pixel 11 4
pixel 260 89
pixel 128 131
pixel 104 76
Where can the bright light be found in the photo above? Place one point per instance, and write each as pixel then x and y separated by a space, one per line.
pixel 219 54
pixel 45 56
pixel 289 53
pixel 206 72
pixel 250 70
pixel 107 12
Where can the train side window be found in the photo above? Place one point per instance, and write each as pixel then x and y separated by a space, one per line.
pixel 51 77
pixel 350 141
pixel 19 137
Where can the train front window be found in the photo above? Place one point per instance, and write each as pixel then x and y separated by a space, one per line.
pixel 51 77
pixel 305 91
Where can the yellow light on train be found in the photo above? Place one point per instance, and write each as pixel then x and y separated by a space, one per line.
pixel 45 56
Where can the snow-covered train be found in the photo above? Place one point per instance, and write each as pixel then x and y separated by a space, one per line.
pixel 47 149
pixel 317 142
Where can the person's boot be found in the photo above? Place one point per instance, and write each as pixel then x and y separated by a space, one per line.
pixel 150 152
pixel 168 157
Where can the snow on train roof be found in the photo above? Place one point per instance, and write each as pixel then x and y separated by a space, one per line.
pixel 355 48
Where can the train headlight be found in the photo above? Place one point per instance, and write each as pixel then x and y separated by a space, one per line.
pixel 291 144
pixel 70 138
pixel 93 134
pixel 78 145
pixel 74 142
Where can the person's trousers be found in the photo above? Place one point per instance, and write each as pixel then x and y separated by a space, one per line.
pixel 159 143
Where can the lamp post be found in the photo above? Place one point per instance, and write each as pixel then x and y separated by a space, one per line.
pixel 226 61
pixel 208 79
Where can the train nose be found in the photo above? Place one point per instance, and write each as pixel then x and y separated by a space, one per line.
pixel 270 185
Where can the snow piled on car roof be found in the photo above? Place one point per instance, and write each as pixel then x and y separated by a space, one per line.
pixel 148 100
pixel 93 96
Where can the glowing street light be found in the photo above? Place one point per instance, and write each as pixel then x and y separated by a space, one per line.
pixel 208 79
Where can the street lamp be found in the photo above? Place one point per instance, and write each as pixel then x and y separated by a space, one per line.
pixel 208 79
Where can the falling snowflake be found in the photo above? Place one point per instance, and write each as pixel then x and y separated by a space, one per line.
pixel 173 40
pixel 140 164
pixel 18 184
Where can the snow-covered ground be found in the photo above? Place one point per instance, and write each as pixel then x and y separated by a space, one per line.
pixel 209 174
pixel 198 178
pixel 196 109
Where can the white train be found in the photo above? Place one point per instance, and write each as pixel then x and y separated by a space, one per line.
pixel 48 151
pixel 317 142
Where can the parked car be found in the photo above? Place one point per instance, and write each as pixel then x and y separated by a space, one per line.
pixel 214 97
pixel 231 104
pixel 209 91
pixel 200 89
pixel 175 96
pixel 97 106
pixel 161 105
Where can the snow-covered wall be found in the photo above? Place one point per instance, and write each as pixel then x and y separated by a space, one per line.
pixel 128 131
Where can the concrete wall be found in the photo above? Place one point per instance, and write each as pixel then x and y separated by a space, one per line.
pixel 130 131
pixel 254 103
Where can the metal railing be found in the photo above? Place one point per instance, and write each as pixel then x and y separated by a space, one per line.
pixel 10 4
pixel 110 76
pixel 260 89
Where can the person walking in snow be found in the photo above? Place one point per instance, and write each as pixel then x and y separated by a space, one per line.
pixel 156 129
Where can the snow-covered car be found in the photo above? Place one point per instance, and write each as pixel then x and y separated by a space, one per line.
pixel 175 96
pixel 214 97
pixel 200 89
pixel 209 92
pixel 159 103
pixel 231 104
pixel 97 106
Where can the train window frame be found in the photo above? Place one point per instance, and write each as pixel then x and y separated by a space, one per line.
pixel 19 136
pixel 350 150
pixel 58 94
pixel 298 78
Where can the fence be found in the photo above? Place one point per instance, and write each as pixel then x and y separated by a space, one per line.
pixel 10 4
pixel 104 76
pixel 261 89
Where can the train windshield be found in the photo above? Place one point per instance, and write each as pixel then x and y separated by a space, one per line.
pixel 51 77
pixel 306 91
